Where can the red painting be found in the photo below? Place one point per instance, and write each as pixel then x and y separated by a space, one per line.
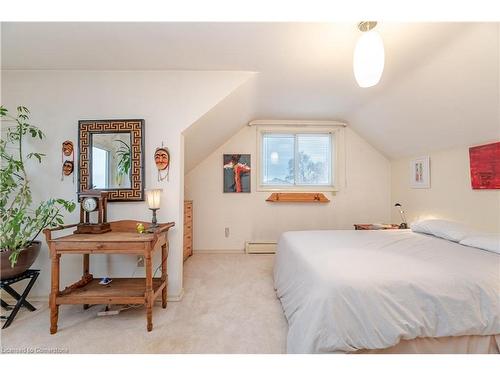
pixel 485 166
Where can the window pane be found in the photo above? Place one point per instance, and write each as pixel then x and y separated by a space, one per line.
pixel 277 159
pixel 314 159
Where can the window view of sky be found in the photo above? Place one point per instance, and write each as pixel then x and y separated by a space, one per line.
pixel 312 157
pixel 278 150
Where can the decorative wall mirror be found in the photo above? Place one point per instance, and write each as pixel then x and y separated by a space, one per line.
pixel 111 158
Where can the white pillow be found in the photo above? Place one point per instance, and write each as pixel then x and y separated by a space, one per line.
pixel 449 230
pixel 486 241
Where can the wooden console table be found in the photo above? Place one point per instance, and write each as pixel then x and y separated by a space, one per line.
pixel 123 239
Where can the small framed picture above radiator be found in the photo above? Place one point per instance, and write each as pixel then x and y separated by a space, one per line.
pixel 420 173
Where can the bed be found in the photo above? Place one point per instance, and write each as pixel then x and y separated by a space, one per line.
pixel 391 291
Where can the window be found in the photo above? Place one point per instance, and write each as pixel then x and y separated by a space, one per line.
pixel 301 160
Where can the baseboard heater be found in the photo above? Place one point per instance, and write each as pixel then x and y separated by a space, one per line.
pixel 260 247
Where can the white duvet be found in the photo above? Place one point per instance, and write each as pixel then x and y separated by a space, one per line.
pixel 343 291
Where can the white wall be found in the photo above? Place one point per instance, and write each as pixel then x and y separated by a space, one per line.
pixel 365 197
pixel 450 196
pixel 168 101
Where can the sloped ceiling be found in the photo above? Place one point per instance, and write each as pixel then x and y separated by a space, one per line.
pixel 440 86
pixel 219 124
pixel 450 99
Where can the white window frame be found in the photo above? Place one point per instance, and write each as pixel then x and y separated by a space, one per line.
pixel 336 133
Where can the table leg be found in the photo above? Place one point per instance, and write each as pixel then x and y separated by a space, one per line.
pixel 86 268
pixel 54 308
pixel 149 291
pixel 164 275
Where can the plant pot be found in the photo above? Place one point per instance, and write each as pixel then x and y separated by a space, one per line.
pixel 26 258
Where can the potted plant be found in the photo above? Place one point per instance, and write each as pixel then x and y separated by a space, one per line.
pixel 20 221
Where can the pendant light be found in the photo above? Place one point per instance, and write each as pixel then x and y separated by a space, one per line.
pixel 368 62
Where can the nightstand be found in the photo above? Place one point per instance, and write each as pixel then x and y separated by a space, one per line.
pixel 376 226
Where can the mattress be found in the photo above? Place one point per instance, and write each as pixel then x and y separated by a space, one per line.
pixel 345 291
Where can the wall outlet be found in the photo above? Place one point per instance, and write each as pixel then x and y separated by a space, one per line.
pixel 226 232
pixel 140 261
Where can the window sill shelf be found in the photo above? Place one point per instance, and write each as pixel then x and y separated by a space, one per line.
pixel 297 198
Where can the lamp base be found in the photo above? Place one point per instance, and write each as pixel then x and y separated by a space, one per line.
pixel 154 223
pixel 403 226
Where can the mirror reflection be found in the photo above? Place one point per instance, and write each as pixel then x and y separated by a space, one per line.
pixel 111 161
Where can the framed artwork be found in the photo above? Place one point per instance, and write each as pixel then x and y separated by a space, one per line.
pixel 485 166
pixel 111 158
pixel 237 170
pixel 420 173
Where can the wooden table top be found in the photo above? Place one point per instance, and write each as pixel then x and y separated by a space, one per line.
pixel 112 236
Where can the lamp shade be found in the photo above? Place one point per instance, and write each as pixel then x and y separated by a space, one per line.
pixel 369 58
pixel 153 198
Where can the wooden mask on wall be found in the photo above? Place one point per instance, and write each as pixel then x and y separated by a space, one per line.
pixel 67 148
pixel 67 160
pixel 162 161
pixel 68 167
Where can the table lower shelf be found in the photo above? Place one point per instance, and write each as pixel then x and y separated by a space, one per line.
pixel 119 291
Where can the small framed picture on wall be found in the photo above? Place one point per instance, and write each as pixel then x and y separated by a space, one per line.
pixel 420 173
pixel 236 173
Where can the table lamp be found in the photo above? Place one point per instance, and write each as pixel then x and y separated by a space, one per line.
pixel 403 224
pixel 153 199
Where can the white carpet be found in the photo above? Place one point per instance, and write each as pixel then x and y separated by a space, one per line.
pixel 229 306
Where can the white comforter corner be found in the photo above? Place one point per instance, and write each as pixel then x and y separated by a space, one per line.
pixel 343 291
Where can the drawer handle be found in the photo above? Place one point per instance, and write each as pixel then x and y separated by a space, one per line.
pixel 99 246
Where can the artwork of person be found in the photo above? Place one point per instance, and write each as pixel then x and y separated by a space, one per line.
pixel 162 161
pixel 67 148
pixel 237 173
pixel 67 167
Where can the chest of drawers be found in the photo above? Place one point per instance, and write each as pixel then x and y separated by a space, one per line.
pixel 188 229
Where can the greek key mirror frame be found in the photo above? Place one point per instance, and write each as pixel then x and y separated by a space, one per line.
pixel 86 128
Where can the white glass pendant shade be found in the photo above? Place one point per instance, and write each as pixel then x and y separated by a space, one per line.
pixel 369 59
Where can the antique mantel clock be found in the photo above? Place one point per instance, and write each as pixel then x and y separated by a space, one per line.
pixel 90 201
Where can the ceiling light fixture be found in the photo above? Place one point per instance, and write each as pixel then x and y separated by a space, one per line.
pixel 369 55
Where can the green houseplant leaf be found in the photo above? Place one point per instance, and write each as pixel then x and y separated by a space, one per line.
pixel 124 159
pixel 20 223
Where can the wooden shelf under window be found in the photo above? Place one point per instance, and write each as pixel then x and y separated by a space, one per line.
pixel 297 198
